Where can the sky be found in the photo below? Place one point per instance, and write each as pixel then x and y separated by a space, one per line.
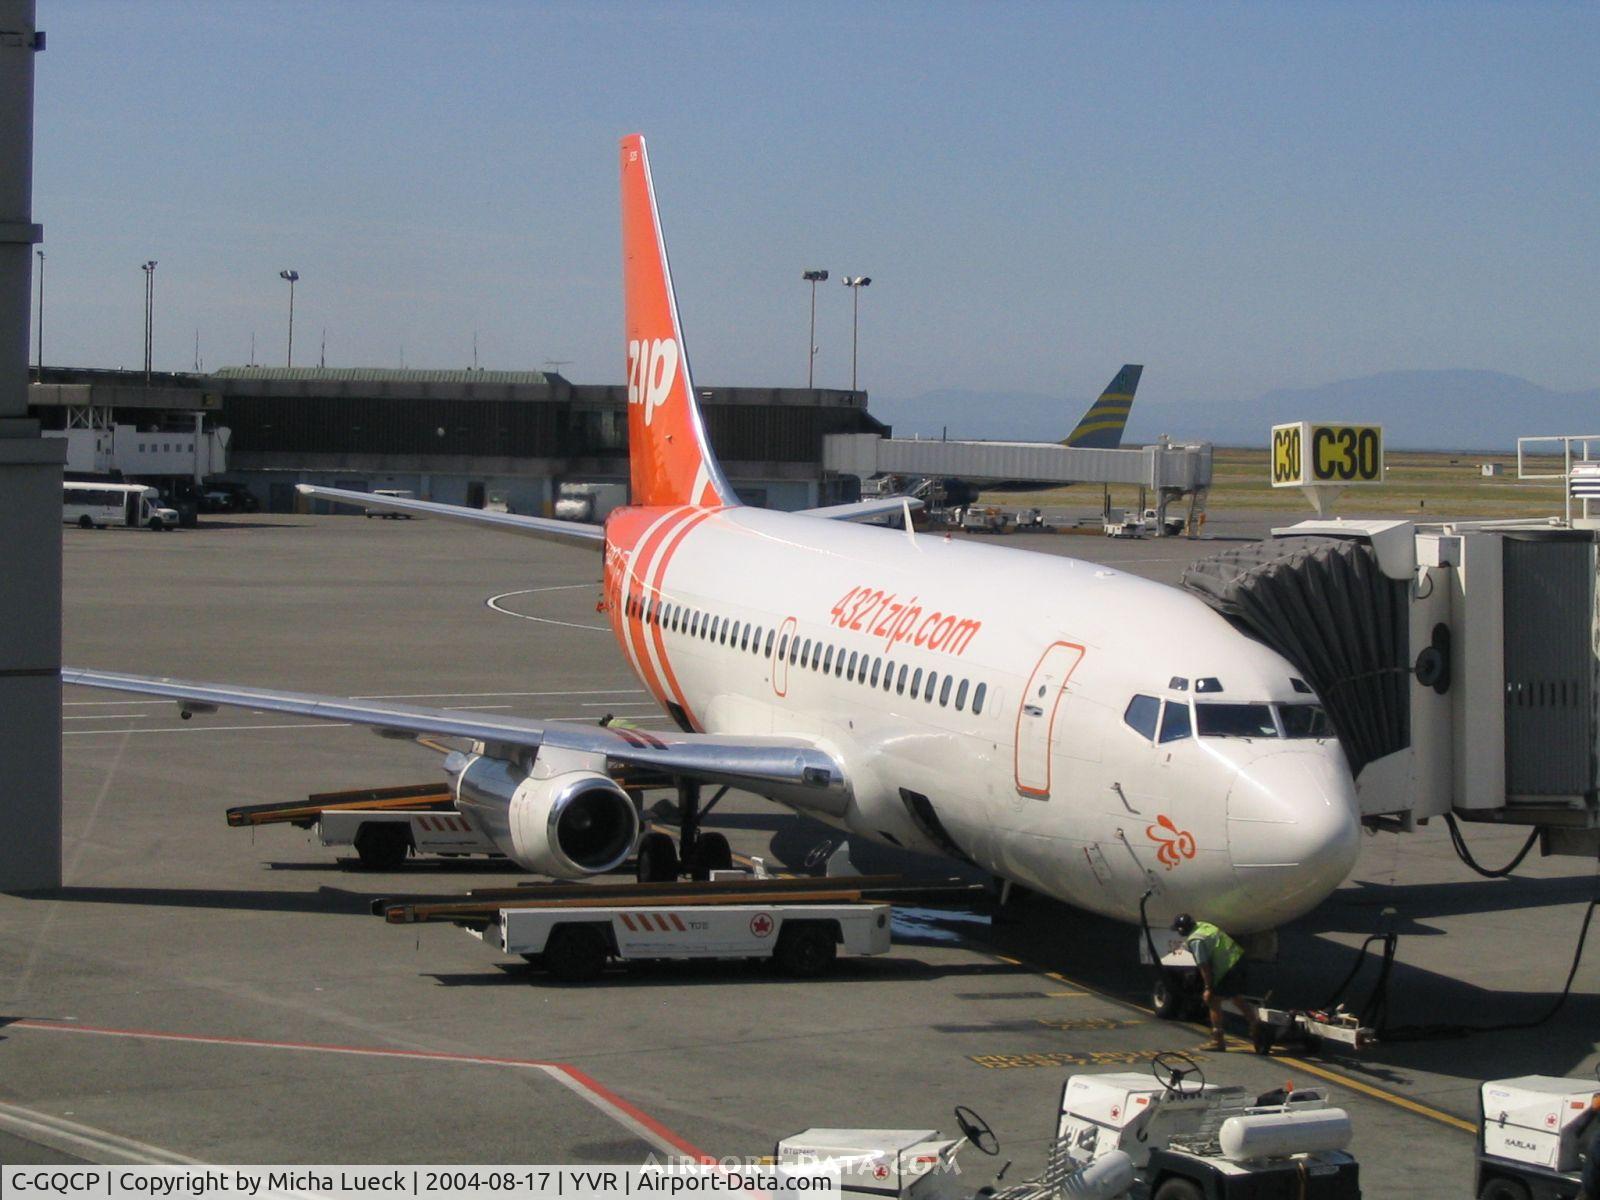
pixel 1239 196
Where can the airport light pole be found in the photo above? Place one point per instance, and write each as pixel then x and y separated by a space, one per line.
pixel 149 269
pixel 292 277
pixel 813 278
pixel 855 283
pixel 39 324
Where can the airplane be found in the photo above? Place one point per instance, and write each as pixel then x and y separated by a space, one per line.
pixel 1081 732
pixel 1100 428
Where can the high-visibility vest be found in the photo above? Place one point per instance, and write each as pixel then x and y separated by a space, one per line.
pixel 1225 952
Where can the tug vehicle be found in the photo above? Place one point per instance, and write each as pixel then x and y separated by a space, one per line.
pixel 1533 1131
pixel 1119 1136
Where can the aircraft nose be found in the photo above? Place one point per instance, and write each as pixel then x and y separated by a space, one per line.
pixel 1293 828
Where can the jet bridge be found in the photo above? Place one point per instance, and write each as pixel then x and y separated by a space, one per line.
pixel 1457 662
pixel 1170 470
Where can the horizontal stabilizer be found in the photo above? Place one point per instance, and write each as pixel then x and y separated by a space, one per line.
pixel 863 510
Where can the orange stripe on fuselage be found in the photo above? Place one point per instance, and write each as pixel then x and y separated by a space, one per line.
pixel 638 638
pixel 663 560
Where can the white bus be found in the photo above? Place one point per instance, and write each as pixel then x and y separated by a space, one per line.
pixel 92 505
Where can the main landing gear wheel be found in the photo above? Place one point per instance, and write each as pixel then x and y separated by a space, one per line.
pixel 85 522
pixel 1503 1189
pixel 976 1130
pixel 1179 1189
pixel 658 859
pixel 711 853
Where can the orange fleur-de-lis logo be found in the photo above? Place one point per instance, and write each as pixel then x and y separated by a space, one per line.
pixel 1174 844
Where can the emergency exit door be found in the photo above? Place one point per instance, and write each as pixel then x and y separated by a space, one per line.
pixel 1036 717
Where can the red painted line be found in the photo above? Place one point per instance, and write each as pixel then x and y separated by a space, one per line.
pixel 628 921
pixel 645 1119
pixel 678 921
pixel 605 1097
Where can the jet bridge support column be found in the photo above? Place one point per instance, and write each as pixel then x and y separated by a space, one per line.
pixel 30 508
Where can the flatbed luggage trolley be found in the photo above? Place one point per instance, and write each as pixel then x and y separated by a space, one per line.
pixel 572 931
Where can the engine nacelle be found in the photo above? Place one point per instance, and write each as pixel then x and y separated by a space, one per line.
pixel 561 823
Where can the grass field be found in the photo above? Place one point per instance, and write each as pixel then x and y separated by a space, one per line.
pixel 1418 484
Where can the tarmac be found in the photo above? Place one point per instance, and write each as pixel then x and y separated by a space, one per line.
pixel 196 992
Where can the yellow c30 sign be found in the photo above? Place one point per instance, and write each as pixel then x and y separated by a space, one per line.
pixel 1307 452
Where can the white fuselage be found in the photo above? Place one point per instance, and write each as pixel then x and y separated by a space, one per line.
pixel 1056 783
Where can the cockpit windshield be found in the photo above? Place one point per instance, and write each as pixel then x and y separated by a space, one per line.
pixel 1235 720
pixel 1257 720
pixel 1305 721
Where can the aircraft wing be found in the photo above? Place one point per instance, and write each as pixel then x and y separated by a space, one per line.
pixel 792 770
pixel 547 528
pixel 863 510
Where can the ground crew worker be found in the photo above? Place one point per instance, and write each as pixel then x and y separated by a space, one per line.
pixel 1222 970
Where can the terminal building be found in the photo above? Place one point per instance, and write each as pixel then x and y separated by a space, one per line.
pixel 522 439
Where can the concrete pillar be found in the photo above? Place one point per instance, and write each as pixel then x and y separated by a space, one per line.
pixel 30 508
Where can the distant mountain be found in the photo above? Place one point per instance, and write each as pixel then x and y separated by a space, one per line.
pixel 1442 410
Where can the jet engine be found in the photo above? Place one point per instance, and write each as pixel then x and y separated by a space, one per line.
pixel 558 819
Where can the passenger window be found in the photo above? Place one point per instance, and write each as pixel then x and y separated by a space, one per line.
pixel 877 667
pixel 1175 721
pixel 838 667
pixel 768 652
pixel 827 661
pixel 927 692
pixel 900 684
pixel 944 691
pixel 805 654
pixel 1141 715
pixel 783 645
pixel 977 698
pixel 961 696
pixel 794 650
pixel 916 683
pixel 744 638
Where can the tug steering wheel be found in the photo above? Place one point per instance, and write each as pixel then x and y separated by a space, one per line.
pixel 1179 1068
pixel 977 1131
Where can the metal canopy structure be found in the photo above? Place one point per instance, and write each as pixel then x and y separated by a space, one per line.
pixel 1164 466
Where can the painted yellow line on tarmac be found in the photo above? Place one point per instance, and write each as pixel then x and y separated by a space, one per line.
pixel 1377 1093
pixel 1066 993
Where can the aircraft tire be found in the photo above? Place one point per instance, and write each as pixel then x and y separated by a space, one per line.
pixel 711 853
pixel 657 859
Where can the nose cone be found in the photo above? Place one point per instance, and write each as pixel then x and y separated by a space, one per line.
pixel 1293 830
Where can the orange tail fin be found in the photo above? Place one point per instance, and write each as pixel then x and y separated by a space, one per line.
pixel 669 454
